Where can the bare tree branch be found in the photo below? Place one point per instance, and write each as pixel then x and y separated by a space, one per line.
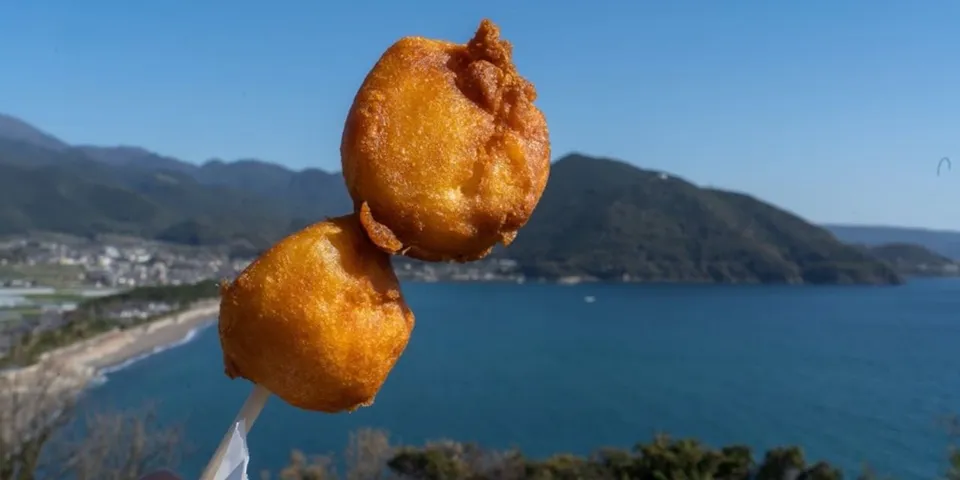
pixel 120 446
pixel 35 403
pixel 367 454
pixel 41 436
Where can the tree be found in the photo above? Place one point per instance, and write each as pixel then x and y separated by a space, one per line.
pixel 35 404
pixel 367 455
pixel 41 436
pixel 662 458
pixel 953 469
pixel 318 467
pixel 365 458
pixel 782 463
pixel 119 446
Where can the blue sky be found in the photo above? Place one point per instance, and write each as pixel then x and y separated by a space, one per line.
pixel 838 111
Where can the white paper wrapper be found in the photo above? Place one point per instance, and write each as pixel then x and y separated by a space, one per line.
pixel 235 459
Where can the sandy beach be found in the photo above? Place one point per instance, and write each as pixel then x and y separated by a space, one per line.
pixel 68 371
pixel 117 346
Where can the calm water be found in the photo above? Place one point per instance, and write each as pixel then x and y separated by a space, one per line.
pixel 852 374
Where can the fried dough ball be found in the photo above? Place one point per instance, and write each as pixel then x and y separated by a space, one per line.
pixel 319 319
pixel 443 151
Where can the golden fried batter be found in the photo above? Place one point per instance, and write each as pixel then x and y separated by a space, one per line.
pixel 318 319
pixel 443 151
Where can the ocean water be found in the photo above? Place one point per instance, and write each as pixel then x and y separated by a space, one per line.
pixel 853 374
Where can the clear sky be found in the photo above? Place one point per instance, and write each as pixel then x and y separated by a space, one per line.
pixel 836 110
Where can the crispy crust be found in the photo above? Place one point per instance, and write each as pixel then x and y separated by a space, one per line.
pixel 319 319
pixel 443 151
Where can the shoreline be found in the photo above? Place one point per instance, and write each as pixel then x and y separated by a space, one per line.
pixel 111 350
pixel 84 364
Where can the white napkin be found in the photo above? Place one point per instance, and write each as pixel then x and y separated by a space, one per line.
pixel 235 459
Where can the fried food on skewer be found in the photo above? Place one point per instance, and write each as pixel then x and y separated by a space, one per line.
pixel 318 319
pixel 443 151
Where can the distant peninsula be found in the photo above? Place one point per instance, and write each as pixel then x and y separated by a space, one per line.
pixel 914 260
pixel 599 219
pixel 607 220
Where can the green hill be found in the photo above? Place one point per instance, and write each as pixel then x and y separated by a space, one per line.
pixel 65 193
pixel 48 185
pixel 943 242
pixel 607 220
pixel 911 259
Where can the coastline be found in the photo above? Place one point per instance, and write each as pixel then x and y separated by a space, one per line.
pixel 117 346
pixel 74 367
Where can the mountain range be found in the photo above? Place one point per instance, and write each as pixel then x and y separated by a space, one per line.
pixel 46 184
pixel 942 242
pixel 598 219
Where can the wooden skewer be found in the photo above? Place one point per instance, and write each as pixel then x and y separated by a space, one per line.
pixel 248 413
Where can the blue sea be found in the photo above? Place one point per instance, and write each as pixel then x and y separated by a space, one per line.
pixel 855 375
